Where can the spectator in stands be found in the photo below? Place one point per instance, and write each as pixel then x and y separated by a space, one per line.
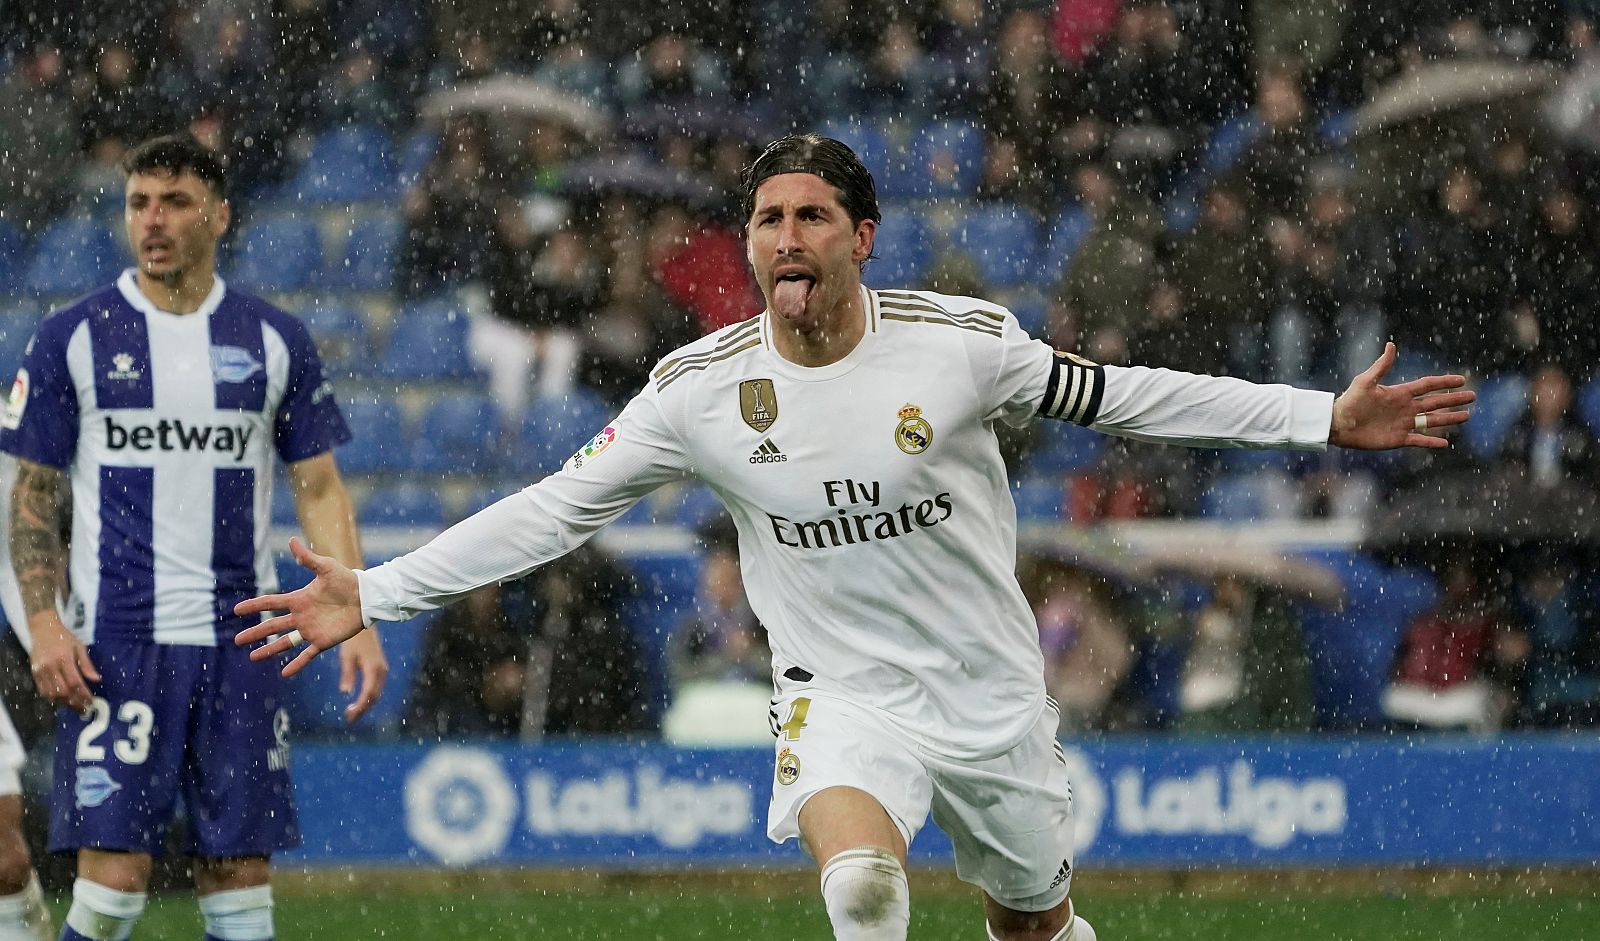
pixel 450 211
pixel 1564 663
pixel 1105 286
pixel 1141 77
pixel 302 37
pixel 1271 173
pixel 1450 276
pixel 356 92
pixel 1087 653
pixel 38 137
pixel 1550 446
pixel 671 72
pixel 1246 668
pixel 960 42
pixel 470 680
pixel 720 640
pixel 1223 269
pixel 1456 661
pixel 1025 103
pixel 120 107
pixel 891 82
pixel 1560 276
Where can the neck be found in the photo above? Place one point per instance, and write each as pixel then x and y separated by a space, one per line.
pixel 183 293
pixel 830 341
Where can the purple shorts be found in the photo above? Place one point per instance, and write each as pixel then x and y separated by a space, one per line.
pixel 169 721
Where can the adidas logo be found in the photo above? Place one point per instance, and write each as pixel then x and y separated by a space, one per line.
pixel 1066 870
pixel 768 453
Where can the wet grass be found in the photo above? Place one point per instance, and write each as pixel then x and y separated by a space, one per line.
pixel 634 916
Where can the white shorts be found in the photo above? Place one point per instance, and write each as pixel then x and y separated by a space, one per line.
pixel 1009 817
pixel 11 755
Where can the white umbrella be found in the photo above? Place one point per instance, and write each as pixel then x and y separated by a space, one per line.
pixel 511 96
pixel 1442 86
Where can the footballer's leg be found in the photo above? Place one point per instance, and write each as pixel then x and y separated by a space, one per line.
pixel 108 896
pixel 1055 924
pixel 863 859
pixel 235 898
pixel 23 915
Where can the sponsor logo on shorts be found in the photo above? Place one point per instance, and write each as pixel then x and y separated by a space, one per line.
pixel 1063 875
pixel 94 786
pixel 788 767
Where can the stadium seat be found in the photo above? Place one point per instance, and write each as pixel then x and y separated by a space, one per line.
pixel 904 249
pixel 869 142
pixel 351 164
pixel 72 256
pixel 1001 239
pixel 1501 400
pixel 283 510
pixel 1249 497
pixel 1064 448
pixel 13 255
pixel 278 254
pixel 429 341
pixel 370 253
pixel 1061 243
pixel 340 331
pixel 416 152
pixel 947 159
pixel 16 329
pixel 1589 405
pixel 381 441
pixel 403 504
pixel 460 435
pixel 697 506
pixel 1040 500
pixel 552 430
pixel 480 497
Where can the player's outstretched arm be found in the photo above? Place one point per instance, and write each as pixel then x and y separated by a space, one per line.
pixel 322 615
pixel 1371 416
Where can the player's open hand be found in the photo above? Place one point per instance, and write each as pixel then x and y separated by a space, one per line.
pixel 362 656
pixel 322 615
pixel 1373 417
pixel 61 666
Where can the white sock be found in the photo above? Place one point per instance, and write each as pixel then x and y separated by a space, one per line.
pixel 238 914
pixel 103 914
pixel 1076 930
pixel 866 896
pixel 24 916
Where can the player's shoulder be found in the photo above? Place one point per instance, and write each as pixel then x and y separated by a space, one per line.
pixel 929 310
pixel 247 306
pixel 715 350
pixel 58 326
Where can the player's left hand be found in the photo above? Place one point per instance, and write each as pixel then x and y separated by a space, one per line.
pixel 322 615
pixel 1374 417
pixel 363 655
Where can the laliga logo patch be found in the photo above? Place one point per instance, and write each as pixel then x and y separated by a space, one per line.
pixel 94 786
pixel 593 449
pixel 233 363
pixel 788 767
pixel 17 402
pixel 913 435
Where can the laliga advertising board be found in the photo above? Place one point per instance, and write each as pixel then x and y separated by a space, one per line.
pixel 1139 802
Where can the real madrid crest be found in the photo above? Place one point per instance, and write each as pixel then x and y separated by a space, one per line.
pixel 788 767
pixel 913 434
pixel 758 403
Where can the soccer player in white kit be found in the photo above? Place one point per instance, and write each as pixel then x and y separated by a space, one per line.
pixel 850 432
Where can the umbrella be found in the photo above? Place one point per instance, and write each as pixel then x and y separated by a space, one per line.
pixel 507 95
pixel 1442 86
pixel 1502 513
pixel 635 174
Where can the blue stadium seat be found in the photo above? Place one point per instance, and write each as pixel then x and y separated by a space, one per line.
pixel 947 159
pixel 403 504
pixel 16 329
pixel 283 511
pixel 429 341
pixel 1039 500
pixel 1061 243
pixel 351 164
pixel 341 334
pixel 416 152
pixel 1234 498
pixel 1589 405
pixel 552 430
pixel 72 256
pixel 1002 239
pixel 1501 401
pixel 1064 448
pixel 370 254
pixel 904 249
pixel 480 497
pixel 697 506
pixel 460 435
pixel 13 256
pixel 381 441
pixel 870 143
pixel 278 254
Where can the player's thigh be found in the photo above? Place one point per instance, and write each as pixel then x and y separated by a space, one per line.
pixel 12 755
pixel 1010 820
pixel 119 766
pixel 237 786
pixel 844 756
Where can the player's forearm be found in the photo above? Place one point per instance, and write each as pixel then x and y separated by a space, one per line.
pixel 38 554
pixel 329 522
pixel 1172 407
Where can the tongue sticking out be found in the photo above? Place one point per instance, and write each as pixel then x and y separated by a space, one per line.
pixel 789 297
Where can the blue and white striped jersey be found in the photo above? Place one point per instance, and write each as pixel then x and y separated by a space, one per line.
pixel 166 424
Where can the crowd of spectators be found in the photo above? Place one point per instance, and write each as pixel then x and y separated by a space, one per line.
pixel 1201 180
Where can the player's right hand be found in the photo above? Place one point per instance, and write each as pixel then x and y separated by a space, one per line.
pixel 322 615
pixel 61 666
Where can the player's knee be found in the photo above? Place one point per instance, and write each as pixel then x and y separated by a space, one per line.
pixel 238 914
pixel 16 866
pixel 866 895
pixel 103 914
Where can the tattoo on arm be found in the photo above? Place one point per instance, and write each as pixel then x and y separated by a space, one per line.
pixel 38 553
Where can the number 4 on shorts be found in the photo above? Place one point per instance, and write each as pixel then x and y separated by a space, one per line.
pixel 797 719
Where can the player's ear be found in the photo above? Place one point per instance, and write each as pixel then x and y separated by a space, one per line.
pixel 221 215
pixel 866 231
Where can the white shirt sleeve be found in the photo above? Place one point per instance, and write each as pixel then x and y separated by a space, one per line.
pixel 635 454
pixel 1170 407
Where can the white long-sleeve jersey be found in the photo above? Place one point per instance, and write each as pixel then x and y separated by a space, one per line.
pixel 877 534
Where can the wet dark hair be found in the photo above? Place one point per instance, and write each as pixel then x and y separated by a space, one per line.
pixel 175 153
pixel 820 156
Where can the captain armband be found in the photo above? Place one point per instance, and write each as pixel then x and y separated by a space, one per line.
pixel 1074 389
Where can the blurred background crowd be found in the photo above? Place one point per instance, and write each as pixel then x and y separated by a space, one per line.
pixel 496 216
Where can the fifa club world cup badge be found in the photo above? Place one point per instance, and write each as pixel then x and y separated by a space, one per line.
pixel 758 403
pixel 913 434
pixel 788 767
